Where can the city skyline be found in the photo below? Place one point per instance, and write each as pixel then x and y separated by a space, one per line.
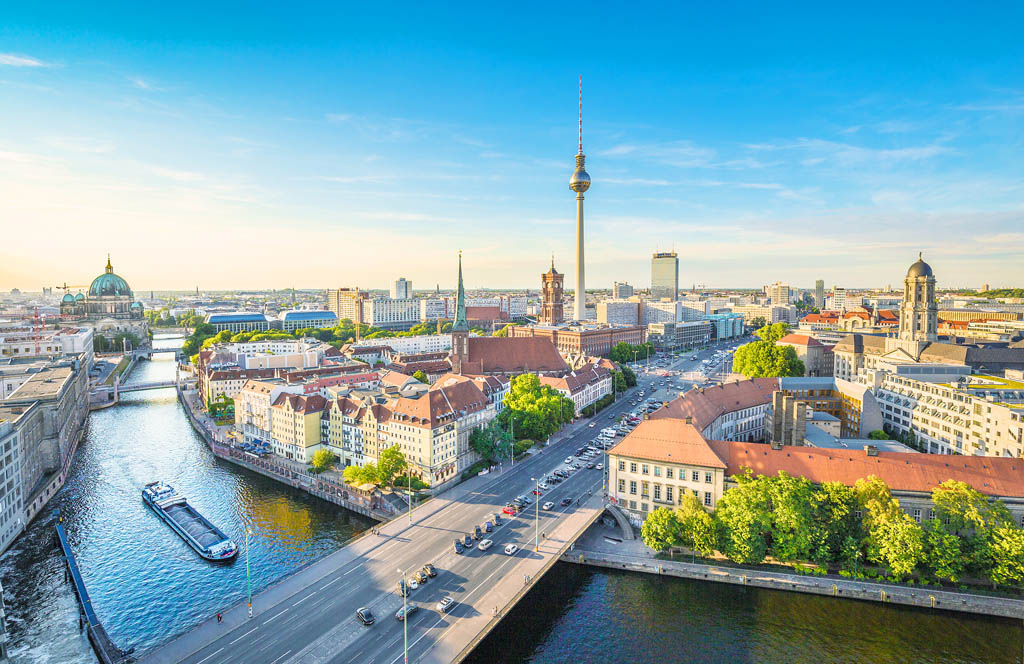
pixel 725 144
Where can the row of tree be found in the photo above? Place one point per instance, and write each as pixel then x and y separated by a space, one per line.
pixel 764 358
pixel 623 352
pixel 389 466
pixel 834 525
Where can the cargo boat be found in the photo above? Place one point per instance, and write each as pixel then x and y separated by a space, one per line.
pixel 208 540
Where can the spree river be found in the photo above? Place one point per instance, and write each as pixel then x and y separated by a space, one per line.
pixel 147 585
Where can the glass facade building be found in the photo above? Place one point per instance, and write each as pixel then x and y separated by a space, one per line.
pixel 665 276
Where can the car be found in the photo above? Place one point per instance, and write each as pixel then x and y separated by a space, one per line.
pixel 488 526
pixel 403 589
pixel 497 519
pixel 592 425
pixel 590 465
pixel 543 486
pixel 548 505
pixel 413 584
pixel 429 570
pixel 537 492
pixel 467 541
pixel 509 509
pixel 566 501
pixel 568 459
pixel 446 604
pixel 477 532
pixel 577 466
pixel 527 500
pixel 511 549
pixel 406 610
pixel 600 466
pixel 420 577
pixel 458 546
pixel 485 544
pixel 365 615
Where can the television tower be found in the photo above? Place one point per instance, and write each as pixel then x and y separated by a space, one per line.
pixel 580 182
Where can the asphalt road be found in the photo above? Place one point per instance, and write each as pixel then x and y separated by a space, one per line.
pixel 326 609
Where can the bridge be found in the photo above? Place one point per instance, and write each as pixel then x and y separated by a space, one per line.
pixel 309 617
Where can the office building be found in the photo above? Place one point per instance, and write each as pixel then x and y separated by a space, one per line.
pixel 300 319
pixel 838 299
pixel 819 293
pixel 621 290
pixel 620 312
pixel 346 303
pixel 665 276
pixel 779 293
pixel 401 289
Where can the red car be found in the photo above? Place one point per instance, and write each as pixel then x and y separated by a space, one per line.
pixel 538 492
pixel 509 510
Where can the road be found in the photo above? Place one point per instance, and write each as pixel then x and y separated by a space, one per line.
pixel 321 609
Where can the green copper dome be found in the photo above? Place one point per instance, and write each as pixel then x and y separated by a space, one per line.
pixel 109 284
pixel 68 298
pixel 79 297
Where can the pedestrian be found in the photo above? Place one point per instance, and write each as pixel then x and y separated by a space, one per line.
pixel 220 618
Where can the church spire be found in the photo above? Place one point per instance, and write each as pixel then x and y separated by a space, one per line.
pixel 110 268
pixel 460 324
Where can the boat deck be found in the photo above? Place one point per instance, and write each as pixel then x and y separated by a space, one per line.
pixel 192 523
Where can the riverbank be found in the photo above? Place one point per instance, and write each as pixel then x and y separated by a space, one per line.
pixel 597 548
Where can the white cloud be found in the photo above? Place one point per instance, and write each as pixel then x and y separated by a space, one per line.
pixel 352 179
pixel 181 176
pixel 15 60
pixel 79 144
pixel 338 117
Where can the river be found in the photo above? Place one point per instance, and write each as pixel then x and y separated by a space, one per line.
pixel 147 585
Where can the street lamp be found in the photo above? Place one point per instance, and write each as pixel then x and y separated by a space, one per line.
pixel 536 520
pixel 248 582
pixel 405 617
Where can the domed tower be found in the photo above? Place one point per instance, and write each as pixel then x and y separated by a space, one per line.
pixel 580 182
pixel 919 313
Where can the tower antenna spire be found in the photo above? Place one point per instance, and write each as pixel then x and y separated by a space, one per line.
pixel 581 114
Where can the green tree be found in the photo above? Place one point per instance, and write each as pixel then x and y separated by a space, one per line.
pixel 758 322
pixel 743 520
pixel 943 551
pixel 359 475
pixel 629 375
pixel 420 376
pixel 661 530
pixel 878 434
pixel 618 381
pixel 900 542
pixel 697 529
pixel 968 513
pixel 533 410
pixel 874 500
pixel 795 531
pixel 491 442
pixel 836 535
pixel 390 464
pixel 1006 551
pixel 763 359
pixel 323 459
pixel 772 333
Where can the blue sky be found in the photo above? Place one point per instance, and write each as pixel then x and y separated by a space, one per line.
pixel 270 146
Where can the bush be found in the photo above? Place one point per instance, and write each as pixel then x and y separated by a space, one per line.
pixel 402 482
pixel 474 469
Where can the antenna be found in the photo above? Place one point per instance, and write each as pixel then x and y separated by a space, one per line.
pixel 581 114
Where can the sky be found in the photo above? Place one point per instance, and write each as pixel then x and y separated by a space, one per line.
pixel 248 145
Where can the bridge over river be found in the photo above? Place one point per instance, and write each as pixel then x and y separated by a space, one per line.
pixel 310 616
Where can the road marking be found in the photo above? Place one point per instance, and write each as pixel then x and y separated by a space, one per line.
pixel 281 657
pixel 207 657
pixel 277 616
pixel 335 581
pixel 302 600
pixel 244 635
pixel 345 574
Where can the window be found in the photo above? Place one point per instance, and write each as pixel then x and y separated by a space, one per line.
pixel 668 496
pixel 622 465
pixel 632 504
pixel 645 489
pixel 707 478
pixel 657 492
pixel 696 493
pixel 632 467
pixel 643 507
pixel 657 471
pixel 917 515
pixel 931 514
pixel 707 498
pixel 856 514
pixel 695 476
pixel 668 473
pixel 645 469
pixel 632 487
pixel 622 486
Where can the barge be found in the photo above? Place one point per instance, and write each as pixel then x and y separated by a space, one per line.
pixel 208 540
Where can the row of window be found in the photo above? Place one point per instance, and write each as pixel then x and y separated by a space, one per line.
pixel 644 507
pixel 645 469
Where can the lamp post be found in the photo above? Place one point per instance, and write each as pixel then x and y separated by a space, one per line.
pixel 512 434
pixel 409 496
pixel 405 618
pixel 536 519
pixel 248 583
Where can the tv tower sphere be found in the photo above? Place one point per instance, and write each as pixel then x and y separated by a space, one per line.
pixel 580 180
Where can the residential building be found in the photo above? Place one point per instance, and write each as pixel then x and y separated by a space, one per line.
pixel 779 293
pixel 422 343
pixel 583 386
pixel 346 303
pixel 620 312
pixel 838 298
pixel 590 340
pixel 671 336
pixel 819 293
pixel 22 341
pixel 621 290
pixel 390 313
pixel 12 517
pixel 401 289
pixel 295 425
pixel 665 276
pixel 773 313
pixel 816 356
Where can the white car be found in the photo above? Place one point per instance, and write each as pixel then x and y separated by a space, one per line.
pixel 511 549
pixel 484 544
pixel 543 486
pixel 568 460
pixel 592 425
pixel 547 506
pixel 600 466
pixel 413 584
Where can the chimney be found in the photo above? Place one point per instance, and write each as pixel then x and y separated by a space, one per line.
pixel 689 420
pixel 872 450
pixel 776 445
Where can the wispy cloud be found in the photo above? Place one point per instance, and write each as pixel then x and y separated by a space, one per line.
pixel 338 117
pixel 682 154
pixel 354 179
pixel 15 60
pixel 143 84
pixel 79 144
pixel 847 153
pixel 895 127
pixel 181 176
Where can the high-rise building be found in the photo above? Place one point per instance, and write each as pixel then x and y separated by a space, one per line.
pixel 551 286
pixel 580 182
pixel 819 293
pixel 346 303
pixel 621 290
pixel 839 298
pixel 665 276
pixel 401 289
pixel 779 293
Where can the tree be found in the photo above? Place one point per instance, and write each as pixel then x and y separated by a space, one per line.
pixel 743 520
pixel 533 410
pixel 420 376
pixel 491 442
pixel 390 464
pixel 943 551
pixel 968 513
pixel 900 542
pixel 772 333
pixel 795 531
pixel 878 434
pixel 323 459
pixel 763 359
pixel 874 501
pixel 758 322
pixel 837 530
pixel 359 475
pixel 629 375
pixel 618 381
pixel 1006 551
pixel 661 530
pixel 697 529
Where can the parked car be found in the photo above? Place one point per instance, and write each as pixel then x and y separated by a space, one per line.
pixel 488 526
pixel 509 509
pixel 537 492
pixel 511 549
pixel 497 519
pixel 600 466
pixel 446 604
pixel 413 584
pixel 590 464
pixel 458 546
pixel 430 571
pixel 403 589
pixel 406 610
pixel 543 486
pixel 420 577
pixel 477 533
pixel 484 544
pixel 365 615
pixel 568 459
pixel 467 541
pixel 592 425
pixel 548 505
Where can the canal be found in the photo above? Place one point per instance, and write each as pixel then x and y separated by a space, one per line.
pixel 147 585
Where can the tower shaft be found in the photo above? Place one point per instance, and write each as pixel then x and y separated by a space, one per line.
pixel 581 290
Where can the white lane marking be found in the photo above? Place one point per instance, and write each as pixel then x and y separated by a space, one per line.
pixel 207 657
pixel 302 600
pixel 345 574
pixel 335 581
pixel 244 635
pixel 281 657
pixel 320 601
pixel 275 617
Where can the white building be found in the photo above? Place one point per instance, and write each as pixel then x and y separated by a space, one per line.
pixel 619 312
pixel 423 343
pixel 401 289
pixel 391 313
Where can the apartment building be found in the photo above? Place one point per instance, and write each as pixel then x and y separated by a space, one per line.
pixel 295 425
pixel 583 386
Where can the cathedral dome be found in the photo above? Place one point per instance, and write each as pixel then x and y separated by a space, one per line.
pixel 920 269
pixel 79 297
pixel 68 299
pixel 109 284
